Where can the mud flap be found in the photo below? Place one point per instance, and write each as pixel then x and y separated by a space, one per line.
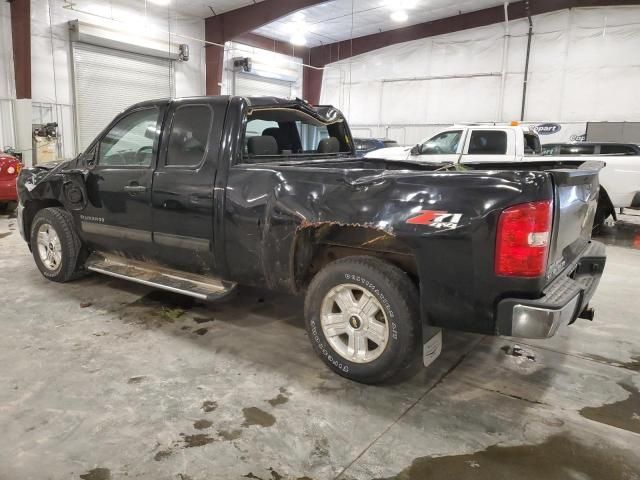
pixel 432 347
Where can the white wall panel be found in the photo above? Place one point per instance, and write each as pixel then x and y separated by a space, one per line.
pixel 584 66
pixel 50 47
pixel 7 80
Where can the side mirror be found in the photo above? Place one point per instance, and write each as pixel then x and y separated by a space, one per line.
pixel 415 150
pixel 89 159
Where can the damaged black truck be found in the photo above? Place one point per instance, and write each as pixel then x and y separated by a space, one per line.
pixel 199 195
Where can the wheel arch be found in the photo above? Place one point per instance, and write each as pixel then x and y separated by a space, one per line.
pixel 31 208
pixel 320 243
pixel 606 201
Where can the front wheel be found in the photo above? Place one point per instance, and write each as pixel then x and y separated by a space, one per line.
pixel 55 245
pixel 362 317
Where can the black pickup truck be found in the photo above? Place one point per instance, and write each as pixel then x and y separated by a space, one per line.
pixel 198 195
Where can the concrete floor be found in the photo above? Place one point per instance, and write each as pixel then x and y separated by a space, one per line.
pixel 103 379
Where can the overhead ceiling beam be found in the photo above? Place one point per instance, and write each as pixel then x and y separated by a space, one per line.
pixel 230 25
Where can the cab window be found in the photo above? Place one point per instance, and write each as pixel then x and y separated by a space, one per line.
pixel 617 149
pixel 442 144
pixel 189 135
pixel 488 142
pixel 577 149
pixel 130 142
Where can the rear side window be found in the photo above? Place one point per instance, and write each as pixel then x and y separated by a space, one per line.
pixel 577 149
pixel 611 149
pixel 189 135
pixel 488 142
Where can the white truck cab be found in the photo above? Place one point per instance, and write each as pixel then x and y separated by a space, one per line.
pixel 619 179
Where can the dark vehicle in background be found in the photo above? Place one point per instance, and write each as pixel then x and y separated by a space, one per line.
pixel 591 148
pixel 366 145
pixel 199 195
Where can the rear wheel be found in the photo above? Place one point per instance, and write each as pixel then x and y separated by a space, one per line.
pixel 55 245
pixel 362 317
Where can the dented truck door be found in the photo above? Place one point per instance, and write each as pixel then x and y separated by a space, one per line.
pixel 117 217
pixel 183 197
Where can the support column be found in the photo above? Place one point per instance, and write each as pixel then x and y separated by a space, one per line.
pixel 21 41
pixel 214 55
pixel 21 38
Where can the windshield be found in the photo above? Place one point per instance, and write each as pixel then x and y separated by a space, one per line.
pixel 274 133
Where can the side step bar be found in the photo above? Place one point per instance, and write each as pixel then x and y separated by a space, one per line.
pixel 198 286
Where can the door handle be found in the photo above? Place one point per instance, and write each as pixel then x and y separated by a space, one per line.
pixel 135 188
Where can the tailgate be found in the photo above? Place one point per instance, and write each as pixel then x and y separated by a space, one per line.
pixel 575 202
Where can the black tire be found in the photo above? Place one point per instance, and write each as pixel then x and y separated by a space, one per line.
pixel 70 245
pixel 398 298
pixel 3 207
pixel 603 211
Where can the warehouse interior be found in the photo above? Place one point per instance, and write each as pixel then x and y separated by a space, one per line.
pixel 107 379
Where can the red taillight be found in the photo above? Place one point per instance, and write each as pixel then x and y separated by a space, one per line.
pixel 522 244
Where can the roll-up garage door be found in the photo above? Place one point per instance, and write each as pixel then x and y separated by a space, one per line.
pixel 255 86
pixel 107 81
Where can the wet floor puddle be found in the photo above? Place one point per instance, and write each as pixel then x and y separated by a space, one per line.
pixel 624 414
pixel 559 458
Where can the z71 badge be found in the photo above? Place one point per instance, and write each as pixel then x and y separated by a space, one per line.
pixel 436 219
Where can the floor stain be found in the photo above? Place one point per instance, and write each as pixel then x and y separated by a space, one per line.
pixel 162 454
pixel 169 299
pixel 519 352
pixel 274 475
pixel 624 414
pixel 135 380
pixel 157 308
pixel 209 406
pixel 320 448
pixel 201 331
pixel 97 474
pixel 559 458
pixel 202 424
pixel 197 440
pixel 633 364
pixel 229 435
pixel 282 398
pixel 257 416
pixel 3 235
pixel 203 319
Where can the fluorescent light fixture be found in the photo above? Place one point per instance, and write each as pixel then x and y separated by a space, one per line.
pixel 161 2
pixel 399 16
pixel 298 39
pixel 401 4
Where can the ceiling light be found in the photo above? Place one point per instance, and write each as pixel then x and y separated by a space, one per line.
pixel 401 4
pixel 399 16
pixel 161 2
pixel 298 39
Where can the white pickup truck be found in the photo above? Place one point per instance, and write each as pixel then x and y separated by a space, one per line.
pixel 619 179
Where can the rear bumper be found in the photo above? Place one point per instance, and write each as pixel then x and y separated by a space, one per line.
pixel 8 192
pixel 562 302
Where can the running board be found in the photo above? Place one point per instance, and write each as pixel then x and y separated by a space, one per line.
pixel 198 286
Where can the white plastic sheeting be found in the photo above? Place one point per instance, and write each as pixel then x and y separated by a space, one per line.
pixel 51 61
pixel 7 80
pixel 584 66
